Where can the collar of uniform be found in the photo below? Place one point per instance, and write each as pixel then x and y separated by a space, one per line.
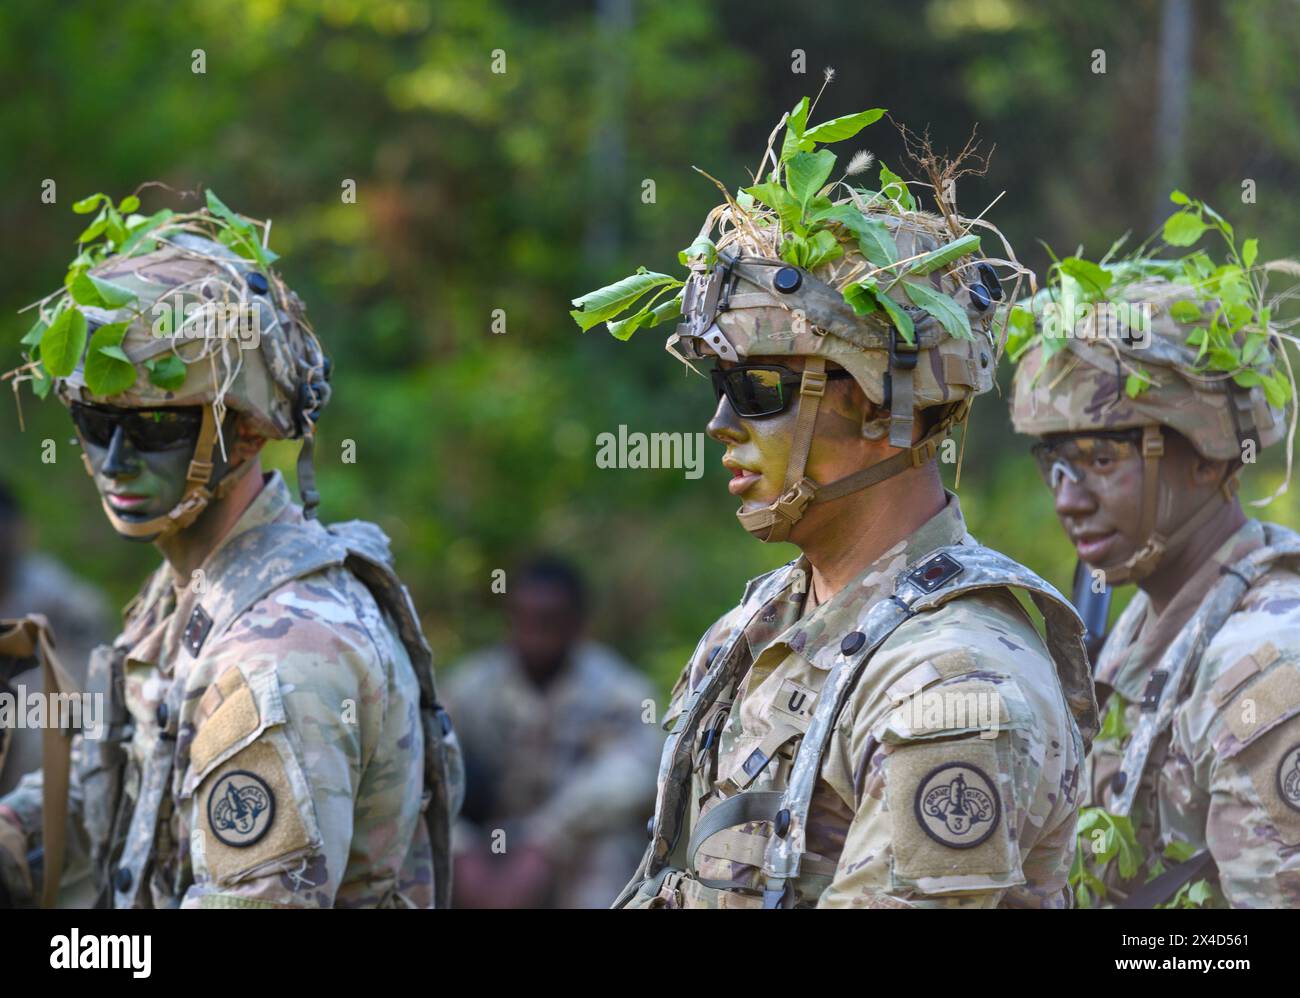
pixel 271 504
pixel 817 635
pixel 1128 669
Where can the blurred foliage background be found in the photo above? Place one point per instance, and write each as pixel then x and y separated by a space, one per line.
pixel 518 190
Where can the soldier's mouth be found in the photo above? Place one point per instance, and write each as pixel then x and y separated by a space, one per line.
pixel 1093 546
pixel 127 500
pixel 741 478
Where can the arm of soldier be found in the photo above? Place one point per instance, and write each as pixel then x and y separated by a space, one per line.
pixel 1253 823
pixel 281 739
pixel 614 787
pixel 942 784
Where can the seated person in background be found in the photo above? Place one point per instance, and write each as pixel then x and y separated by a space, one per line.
pixel 559 760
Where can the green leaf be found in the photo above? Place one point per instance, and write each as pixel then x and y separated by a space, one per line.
pixel 1183 229
pixel 168 372
pixel 86 205
pixel 873 236
pixel 944 255
pixel 108 370
pixel 141 229
pixel 94 229
pixel 864 297
pixel 892 187
pixel 1178 197
pixel 844 127
pixel 1200 892
pixel 1277 389
pixel 1113 727
pixel 794 127
pixel 1094 279
pixel 1020 325
pixel 33 335
pixel 951 316
pixel 98 293
pixel 41 383
pixel 605 303
pixel 1135 384
pixel 128 204
pixel 779 200
pixel 1249 251
pixel 702 247
pixel 822 248
pixel 807 172
pixel 63 342
pixel 1185 311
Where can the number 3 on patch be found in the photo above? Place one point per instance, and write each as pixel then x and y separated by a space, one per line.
pixel 957 805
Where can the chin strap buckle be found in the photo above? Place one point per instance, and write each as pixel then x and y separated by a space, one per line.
pixel 795 500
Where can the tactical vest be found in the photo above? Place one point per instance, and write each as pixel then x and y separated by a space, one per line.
pixel 121 804
pixel 943 575
pixel 1172 679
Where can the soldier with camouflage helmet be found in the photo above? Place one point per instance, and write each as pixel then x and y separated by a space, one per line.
pixel 1147 405
pixel 878 723
pixel 273 736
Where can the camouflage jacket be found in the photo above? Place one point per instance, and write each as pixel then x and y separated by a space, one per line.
pixel 1222 743
pixel 272 760
pixel 950 773
pixel 569 766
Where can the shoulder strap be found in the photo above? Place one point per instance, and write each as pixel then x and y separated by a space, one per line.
pixel 287 551
pixel 668 847
pixel 939 577
pixel 1183 656
pixel 368 558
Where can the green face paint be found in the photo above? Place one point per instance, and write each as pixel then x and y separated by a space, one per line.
pixel 137 483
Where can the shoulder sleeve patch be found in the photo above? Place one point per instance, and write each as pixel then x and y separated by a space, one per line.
pixel 248 814
pixel 1273 764
pixel 950 828
pixel 227 714
pixel 1262 705
pixel 1242 670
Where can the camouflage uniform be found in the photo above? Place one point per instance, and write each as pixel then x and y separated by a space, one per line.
pixel 962 694
pixel 912 742
pixel 569 765
pixel 1222 773
pixel 273 737
pixel 1208 692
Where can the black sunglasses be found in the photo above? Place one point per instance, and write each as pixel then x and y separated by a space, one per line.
pixel 756 390
pixel 146 429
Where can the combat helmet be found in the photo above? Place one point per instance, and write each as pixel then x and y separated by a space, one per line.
pixel 1149 344
pixel 809 266
pixel 185 310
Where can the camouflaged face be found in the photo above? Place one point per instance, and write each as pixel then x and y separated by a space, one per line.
pixel 1081 385
pixel 195 302
pixel 752 318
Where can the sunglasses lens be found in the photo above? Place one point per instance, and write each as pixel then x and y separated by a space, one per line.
pixel 148 430
pixel 753 391
pixel 96 426
pixel 163 429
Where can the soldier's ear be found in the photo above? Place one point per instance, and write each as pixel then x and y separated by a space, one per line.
pixel 248 440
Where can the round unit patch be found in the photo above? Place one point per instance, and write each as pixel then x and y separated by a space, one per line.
pixel 241 808
pixel 1288 778
pixel 957 805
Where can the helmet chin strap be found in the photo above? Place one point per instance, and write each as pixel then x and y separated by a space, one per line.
pixel 1154 544
pixel 199 489
pixel 772 523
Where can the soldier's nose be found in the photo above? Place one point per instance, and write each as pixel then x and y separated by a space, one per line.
pixel 1072 498
pixel 725 426
pixel 120 461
